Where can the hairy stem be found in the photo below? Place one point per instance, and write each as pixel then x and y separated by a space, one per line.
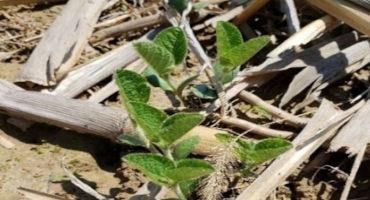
pixel 177 93
pixel 220 91
pixel 179 192
pixel 168 154
pixel 199 52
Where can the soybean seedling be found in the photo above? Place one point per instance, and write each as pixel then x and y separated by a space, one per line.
pixel 253 153
pixel 169 165
pixel 232 52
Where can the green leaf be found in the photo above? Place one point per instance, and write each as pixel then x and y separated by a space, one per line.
pixel 188 187
pixel 155 80
pixel 244 149
pixel 179 5
pixel 254 153
pixel 148 118
pixel 228 36
pixel 184 148
pixel 132 86
pixel 178 125
pixel 270 148
pixel 242 53
pixel 174 40
pixel 204 92
pixel 156 56
pixel 189 169
pixel 152 165
pixel 131 139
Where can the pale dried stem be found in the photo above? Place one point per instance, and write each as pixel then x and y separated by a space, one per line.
pixel 255 128
pixel 275 111
pixel 351 14
pixel 216 183
pixel 128 26
pixel 249 10
pixel 138 66
pixel 308 33
pixel 68 37
pixel 224 17
pixel 352 175
pixel 292 16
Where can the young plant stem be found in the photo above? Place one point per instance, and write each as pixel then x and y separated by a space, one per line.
pixel 179 192
pixel 177 93
pixel 181 98
pixel 168 154
pixel 176 188
pixel 220 91
pixel 174 89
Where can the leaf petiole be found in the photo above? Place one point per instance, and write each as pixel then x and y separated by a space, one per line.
pixel 168 154
pixel 179 192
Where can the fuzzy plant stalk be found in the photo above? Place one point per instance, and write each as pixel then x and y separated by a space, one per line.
pixel 170 165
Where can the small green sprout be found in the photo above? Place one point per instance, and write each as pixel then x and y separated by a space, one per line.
pixel 253 153
pixel 169 166
pixel 232 52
